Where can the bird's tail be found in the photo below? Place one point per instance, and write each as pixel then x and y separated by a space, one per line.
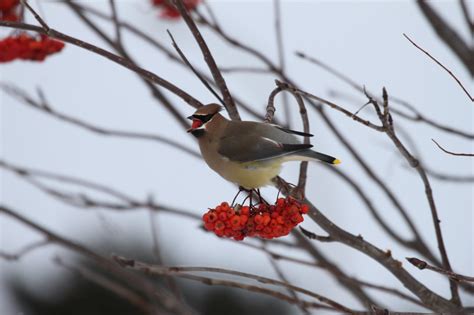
pixel 310 155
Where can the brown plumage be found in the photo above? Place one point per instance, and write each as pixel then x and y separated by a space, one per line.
pixel 248 153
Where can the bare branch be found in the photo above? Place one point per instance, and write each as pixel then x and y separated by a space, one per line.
pixel 417 243
pixel 25 250
pixel 229 102
pixel 314 236
pixel 467 16
pixel 333 106
pixel 299 191
pixel 283 278
pixel 466 179
pixel 421 264
pixel 147 288
pixel 428 297
pixel 450 152
pixel 118 31
pixel 186 61
pixel 157 253
pixel 161 47
pixel 281 55
pixel 183 272
pixel 448 35
pixel 108 284
pixel 46 108
pixel 442 66
pixel 119 47
pixel 244 69
pixel 147 75
pixel 417 115
pixel 82 200
pixel 390 132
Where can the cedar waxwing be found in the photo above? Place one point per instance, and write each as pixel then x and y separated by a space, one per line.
pixel 248 153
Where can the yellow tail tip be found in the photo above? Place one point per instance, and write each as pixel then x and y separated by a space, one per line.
pixel 336 161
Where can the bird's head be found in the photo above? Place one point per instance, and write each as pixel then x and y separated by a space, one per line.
pixel 202 116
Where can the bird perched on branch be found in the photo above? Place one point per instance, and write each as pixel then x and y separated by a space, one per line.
pixel 248 153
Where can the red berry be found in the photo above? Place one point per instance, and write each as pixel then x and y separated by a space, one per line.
pixel 219 226
pixel 212 216
pixel 266 219
pixel 209 226
pixel 235 220
pixel 245 210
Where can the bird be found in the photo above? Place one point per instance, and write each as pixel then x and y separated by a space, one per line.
pixel 248 153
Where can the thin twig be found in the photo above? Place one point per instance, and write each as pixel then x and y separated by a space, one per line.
pixel 417 243
pixel 218 78
pixel 448 35
pixel 442 66
pixel 147 288
pixel 244 69
pixel 333 106
pixel 314 236
pixel 417 115
pixel 82 200
pixel 283 278
pixel 119 48
pixel 157 253
pixel 183 272
pixel 270 109
pixel 108 284
pixel 421 264
pixel 147 75
pixel 414 163
pixel 47 109
pixel 163 48
pixel 118 31
pixel 428 297
pixel 347 282
pixel 186 61
pixel 466 179
pixel 450 152
pixel 467 16
pixel 25 250
pixel 281 56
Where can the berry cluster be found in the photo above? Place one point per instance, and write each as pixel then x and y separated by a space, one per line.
pixel 169 11
pixel 26 47
pixel 8 10
pixel 265 221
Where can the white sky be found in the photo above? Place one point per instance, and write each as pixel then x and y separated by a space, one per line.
pixel 362 39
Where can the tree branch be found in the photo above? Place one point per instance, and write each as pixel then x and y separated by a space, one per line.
pixel 421 264
pixel 218 78
pixel 448 35
pixel 183 272
pixel 450 152
pixel 443 66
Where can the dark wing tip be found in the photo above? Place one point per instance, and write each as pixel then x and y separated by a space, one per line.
pixel 295 147
pixel 299 133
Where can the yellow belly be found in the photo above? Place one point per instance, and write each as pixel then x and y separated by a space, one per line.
pixel 251 175
pixel 248 175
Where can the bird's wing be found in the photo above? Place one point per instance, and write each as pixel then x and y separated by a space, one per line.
pixel 294 132
pixel 245 147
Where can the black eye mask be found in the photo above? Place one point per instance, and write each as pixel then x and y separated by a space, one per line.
pixel 204 118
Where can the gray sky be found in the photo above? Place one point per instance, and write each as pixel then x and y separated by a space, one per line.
pixel 362 39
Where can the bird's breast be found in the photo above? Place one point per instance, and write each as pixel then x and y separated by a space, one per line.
pixel 248 175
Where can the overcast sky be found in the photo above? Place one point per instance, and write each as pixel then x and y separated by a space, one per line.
pixel 362 39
